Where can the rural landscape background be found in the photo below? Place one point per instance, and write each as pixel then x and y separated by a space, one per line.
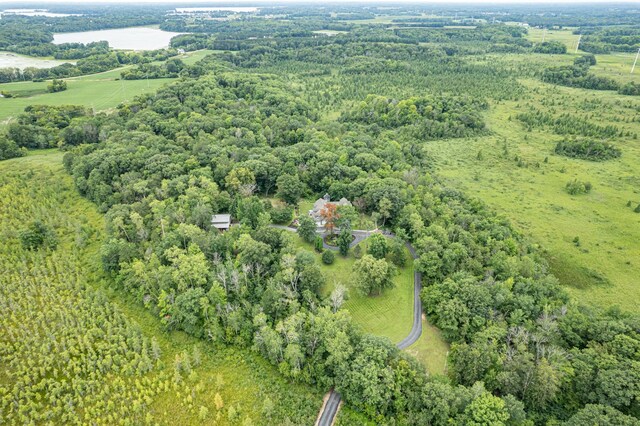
pixel 481 266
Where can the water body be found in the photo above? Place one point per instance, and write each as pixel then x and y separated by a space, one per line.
pixel 13 60
pixel 134 38
pixel 215 9
pixel 36 12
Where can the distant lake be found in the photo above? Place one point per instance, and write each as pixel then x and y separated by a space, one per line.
pixel 13 60
pixel 135 38
pixel 36 12
pixel 215 9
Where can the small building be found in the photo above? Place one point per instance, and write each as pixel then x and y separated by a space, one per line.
pixel 321 203
pixel 221 222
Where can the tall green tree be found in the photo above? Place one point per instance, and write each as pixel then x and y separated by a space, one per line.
pixel 373 276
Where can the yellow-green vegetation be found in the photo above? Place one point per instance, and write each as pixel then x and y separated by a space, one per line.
pixel 592 239
pixel 101 91
pixel 75 351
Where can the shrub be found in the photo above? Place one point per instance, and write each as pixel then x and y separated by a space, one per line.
pixel 576 187
pixel 281 215
pixel 318 244
pixel 328 257
pixel 587 149
pixel 9 149
pixel 632 89
pixel 551 47
pixel 398 253
pixel 38 235
pixel 378 247
pixel 357 252
pixel 57 86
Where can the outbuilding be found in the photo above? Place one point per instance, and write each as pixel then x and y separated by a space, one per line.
pixel 222 222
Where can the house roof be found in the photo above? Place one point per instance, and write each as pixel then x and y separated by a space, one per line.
pixel 221 221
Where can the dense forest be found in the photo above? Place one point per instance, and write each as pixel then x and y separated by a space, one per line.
pixel 285 114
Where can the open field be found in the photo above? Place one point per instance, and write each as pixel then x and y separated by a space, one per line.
pixel 617 66
pixel 388 315
pixel 565 36
pixel 36 187
pixel 100 91
pixel 602 268
pixel 105 95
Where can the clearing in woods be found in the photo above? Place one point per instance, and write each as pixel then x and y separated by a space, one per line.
pixel 389 314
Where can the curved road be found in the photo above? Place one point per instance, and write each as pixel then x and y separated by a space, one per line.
pixel 330 408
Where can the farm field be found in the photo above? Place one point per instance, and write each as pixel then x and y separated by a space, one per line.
pixel 67 280
pixel 100 91
pixel 602 269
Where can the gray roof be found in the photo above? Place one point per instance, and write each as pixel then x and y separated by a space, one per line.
pixel 221 220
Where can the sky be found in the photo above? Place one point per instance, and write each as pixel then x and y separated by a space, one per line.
pixel 317 3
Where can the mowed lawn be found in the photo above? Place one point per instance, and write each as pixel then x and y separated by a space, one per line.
pixel 101 91
pixel 390 314
pixel 602 269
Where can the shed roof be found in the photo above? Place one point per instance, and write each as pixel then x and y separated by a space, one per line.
pixel 221 220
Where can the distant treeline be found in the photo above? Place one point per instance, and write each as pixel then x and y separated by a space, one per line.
pixel 610 39
pixel 101 62
pixel 578 75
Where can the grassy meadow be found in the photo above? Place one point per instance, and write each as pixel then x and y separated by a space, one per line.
pixel 101 91
pixel 36 187
pixel 517 173
pixel 566 36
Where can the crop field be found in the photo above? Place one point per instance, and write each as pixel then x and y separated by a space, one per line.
pixel 100 91
pixel 591 240
pixel 88 343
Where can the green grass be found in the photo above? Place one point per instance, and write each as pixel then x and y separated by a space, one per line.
pixel 99 91
pixel 388 315
pixel 565 36
pixel 36 186
pixel 431 349
pixel 603 270
pixel 617 66
pixel 100 94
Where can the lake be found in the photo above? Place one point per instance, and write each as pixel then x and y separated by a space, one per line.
pixel 135 38
pixel 36 12
pixel 13 60
pixel 189 10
